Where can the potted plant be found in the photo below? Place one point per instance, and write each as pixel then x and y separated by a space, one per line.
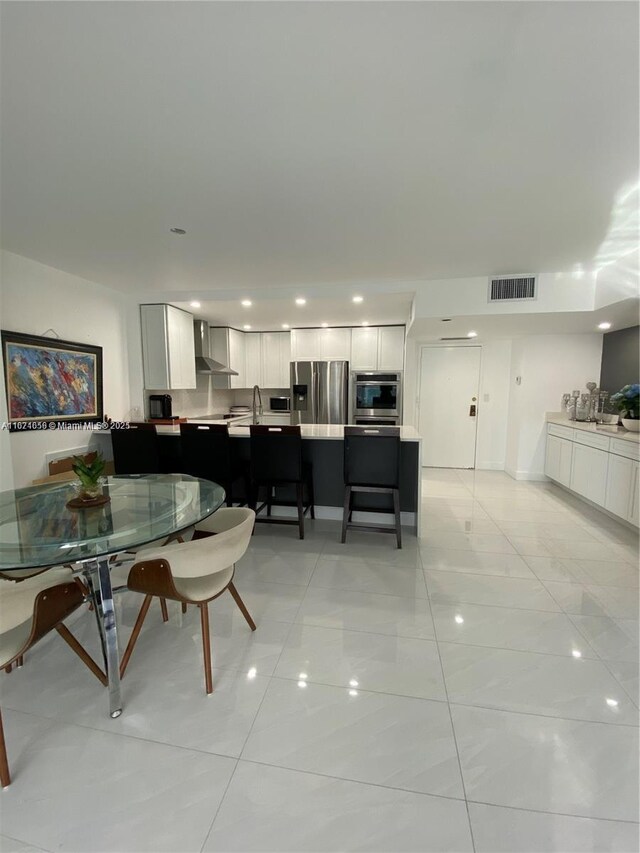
pixel 627 402
pixel 90 474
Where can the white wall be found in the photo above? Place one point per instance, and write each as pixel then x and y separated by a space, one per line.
pixel 619 280
pixel 470 296
pixel 493 406
pixel 549 366
pixel 36 298
pixel 492 413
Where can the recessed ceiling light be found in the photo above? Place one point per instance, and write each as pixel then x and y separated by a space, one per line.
pixel 604 325
pixel 177 230
pixel 246 326
pixel 612 703
pixel 195 304
pixel 324 325
pixel 576 653
pixel 246 303
pixel 285 325
pixel 459 619
pixel 472 334
pixel 301 301
pixel 365 322
pixel 358 299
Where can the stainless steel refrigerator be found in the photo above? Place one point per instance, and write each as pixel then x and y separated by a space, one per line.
pixel 319 392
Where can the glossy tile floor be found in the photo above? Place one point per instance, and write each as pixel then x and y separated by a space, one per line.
pixel 476 690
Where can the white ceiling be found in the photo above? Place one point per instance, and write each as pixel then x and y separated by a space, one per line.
pixel 266 313
pixel 495 326
pixel 314 143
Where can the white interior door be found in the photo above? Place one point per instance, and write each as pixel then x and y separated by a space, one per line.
pixel 449 381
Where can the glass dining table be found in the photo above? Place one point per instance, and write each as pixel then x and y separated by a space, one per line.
pixel 39 531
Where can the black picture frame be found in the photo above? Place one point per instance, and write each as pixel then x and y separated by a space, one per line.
pixel 51 381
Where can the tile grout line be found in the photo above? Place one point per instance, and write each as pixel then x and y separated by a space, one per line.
pixel 453 730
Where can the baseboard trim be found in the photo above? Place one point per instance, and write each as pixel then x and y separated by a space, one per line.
pixel 533 476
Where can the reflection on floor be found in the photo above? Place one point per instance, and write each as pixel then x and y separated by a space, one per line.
pixel 476 690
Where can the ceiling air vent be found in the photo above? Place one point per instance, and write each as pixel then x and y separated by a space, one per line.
pixel 464 338
pixel 508 287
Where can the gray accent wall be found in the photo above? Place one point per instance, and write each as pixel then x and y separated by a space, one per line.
pixel 620 359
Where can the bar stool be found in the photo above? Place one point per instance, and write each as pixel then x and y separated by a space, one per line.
pixel 135 450
pixel 276 460
pixel 207 452
pixel 372 465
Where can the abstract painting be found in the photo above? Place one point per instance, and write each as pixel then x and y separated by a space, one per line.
pixel 50 380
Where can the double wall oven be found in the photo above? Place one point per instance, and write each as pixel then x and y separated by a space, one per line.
pixel 376 398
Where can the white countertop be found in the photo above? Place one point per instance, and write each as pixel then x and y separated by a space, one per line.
pixel 333 432
pixel 604 429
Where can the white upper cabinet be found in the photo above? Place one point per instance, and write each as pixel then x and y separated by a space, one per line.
pixel 391 348
pixel 364 348
pixel 335 344
pixel 305 345
pixel 168 351
pixel 254 366
pixel 228 347
pixel 377 348
pixel 276 356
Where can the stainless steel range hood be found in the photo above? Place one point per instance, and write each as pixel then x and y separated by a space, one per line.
pixel 204 362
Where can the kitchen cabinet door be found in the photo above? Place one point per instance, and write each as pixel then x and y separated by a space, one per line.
pixel 335 344
pixel 305 345
pixel 168 350
pixel 237 358
pixel 589 473
pixel 276 350
pixel 253 360
pixel 391 348
pixel 364 348
pixel 621 486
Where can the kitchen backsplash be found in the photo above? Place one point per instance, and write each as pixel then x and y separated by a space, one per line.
pixel 207 400
pixel 202 400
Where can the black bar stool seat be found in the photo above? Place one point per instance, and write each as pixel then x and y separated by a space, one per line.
pixel 136 449
pixel 276 460
pixel 208 453
pixel 372 465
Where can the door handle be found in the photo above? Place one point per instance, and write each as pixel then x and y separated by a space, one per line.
pixel 472 410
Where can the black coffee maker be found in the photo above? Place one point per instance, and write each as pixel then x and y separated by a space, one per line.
pixel 160 407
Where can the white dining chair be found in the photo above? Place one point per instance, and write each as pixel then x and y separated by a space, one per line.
pixel 194 572
pixel 29 610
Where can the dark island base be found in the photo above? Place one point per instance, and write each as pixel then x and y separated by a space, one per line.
pixel 326 458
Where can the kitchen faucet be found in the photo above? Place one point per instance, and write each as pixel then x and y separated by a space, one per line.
pixel 259 412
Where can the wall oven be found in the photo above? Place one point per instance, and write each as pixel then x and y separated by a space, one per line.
pixel 376 396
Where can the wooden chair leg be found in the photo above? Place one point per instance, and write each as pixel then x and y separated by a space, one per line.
pixel 396 510
pixel 184 606
pixel 163 607
pixel 345 513
pixel 135 633
pixel 5 776
pixel 82 653
pixel 299 488
pixel 206 646
pixel 8 668
pixel 20 661
pixel 236 597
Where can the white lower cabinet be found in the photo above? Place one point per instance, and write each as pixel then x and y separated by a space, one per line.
pixel 589 472
pixel 622 488
pixel 558 459
pixel 603 469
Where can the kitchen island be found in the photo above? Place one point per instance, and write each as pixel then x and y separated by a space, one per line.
pixel 322 447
